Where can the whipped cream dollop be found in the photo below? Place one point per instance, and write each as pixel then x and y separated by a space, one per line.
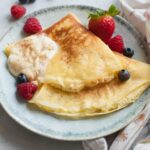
pixel 31 55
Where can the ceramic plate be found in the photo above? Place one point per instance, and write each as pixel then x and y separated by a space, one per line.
pixel 54 127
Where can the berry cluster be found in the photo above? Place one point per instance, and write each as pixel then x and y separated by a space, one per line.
pixel 32 25
pixel 102 24
pixel 25 88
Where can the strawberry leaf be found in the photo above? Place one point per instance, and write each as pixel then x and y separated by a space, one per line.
pixel 100 12
pixel 96 14
pixel 113 11
pixel 93 16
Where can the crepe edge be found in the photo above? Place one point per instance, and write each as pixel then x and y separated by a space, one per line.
pixel 132 98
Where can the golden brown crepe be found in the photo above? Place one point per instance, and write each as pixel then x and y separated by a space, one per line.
pixel 81 78
pixel 83 60
pixel 101 99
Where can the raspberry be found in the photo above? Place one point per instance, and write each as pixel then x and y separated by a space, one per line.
pixel 17 11
pixel 32 26
pixel 116 43
pixel 26 90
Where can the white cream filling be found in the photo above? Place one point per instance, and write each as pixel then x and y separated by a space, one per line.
pixel 31 55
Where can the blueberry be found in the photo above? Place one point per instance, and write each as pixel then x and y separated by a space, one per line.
pixel 123 75
pixel 31 1
pixel 26 1
pixel 128 52
pixel 21 78
pixel 23 1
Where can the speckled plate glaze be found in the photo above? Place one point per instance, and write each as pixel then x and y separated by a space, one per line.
pixel 47 124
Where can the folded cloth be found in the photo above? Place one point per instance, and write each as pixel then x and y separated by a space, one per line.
pixel 142 146
pixel 137 12
pixel 126 137
pixel 98 144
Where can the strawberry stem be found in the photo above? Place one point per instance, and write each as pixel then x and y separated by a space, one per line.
pixel 112 11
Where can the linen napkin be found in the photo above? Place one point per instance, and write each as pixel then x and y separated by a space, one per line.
pixel 137 12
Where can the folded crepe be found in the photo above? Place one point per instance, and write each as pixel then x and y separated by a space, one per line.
pixel 83 60
pixel 101 99
pixel 85 67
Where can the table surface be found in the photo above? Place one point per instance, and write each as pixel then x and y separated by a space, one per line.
pixel 12 135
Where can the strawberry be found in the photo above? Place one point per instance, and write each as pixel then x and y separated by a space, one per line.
pixel 102 23
pixel 116 44
pixel 32 25
pixel 26 90
pixel 17 11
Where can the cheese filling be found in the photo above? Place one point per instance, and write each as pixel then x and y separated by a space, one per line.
pixel 31 56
